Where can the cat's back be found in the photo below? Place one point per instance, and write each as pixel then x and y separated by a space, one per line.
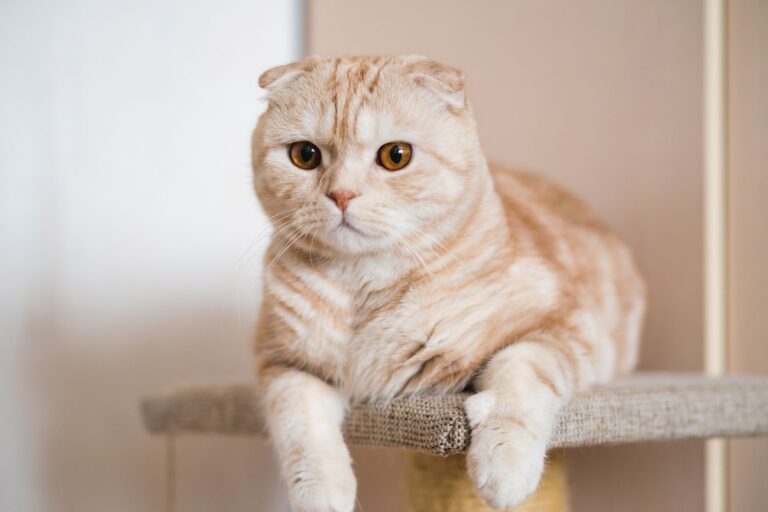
pixel 545 219
pixel 549 222
pixel 526 194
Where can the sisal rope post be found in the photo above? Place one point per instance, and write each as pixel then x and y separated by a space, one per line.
pixel 441 484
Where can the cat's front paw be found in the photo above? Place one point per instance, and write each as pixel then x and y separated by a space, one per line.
pixel 331 488
pixel 506 458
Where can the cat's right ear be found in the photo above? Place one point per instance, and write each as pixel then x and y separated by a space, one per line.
pixel 279 76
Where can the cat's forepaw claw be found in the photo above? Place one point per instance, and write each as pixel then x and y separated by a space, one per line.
pixel 335 494
pixel 322 500
pixel 505 473
pixel 504 461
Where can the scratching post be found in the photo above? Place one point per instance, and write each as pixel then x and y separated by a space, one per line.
pixel 441 484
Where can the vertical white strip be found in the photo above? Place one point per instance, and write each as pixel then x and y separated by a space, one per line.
pixel 715 251
pixel 124 152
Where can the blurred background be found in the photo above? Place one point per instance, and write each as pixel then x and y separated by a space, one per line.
pixel 130 240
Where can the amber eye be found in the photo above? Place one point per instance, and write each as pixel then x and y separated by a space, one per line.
pixel 304 154
pixel 393 156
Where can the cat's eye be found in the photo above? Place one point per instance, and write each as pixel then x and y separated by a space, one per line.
pixel 393 156
pixel 304 155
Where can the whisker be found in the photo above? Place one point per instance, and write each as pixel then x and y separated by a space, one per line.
pixel 446 250
pixel 290 243
pixel 241 265
pixel 413 252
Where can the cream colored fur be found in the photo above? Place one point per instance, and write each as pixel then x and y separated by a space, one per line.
pixel 442 275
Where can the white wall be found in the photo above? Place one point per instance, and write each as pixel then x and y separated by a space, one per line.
pixel 128 243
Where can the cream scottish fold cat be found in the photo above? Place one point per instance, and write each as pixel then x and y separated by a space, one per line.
pixel 400 263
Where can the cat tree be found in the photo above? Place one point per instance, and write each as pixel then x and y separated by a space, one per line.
pixel 435 431
pixel 642 408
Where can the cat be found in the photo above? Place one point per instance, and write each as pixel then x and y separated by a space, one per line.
pixel 401 263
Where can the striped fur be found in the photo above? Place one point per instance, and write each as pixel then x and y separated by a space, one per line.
pixel 443 275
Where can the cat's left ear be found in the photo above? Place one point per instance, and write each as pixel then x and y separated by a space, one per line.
pixel 446 81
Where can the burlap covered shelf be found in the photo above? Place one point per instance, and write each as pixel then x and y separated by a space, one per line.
pixel 644 407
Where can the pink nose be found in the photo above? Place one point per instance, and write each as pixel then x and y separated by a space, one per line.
pixel 342 198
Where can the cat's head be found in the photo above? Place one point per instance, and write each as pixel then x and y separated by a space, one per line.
pixel 364 154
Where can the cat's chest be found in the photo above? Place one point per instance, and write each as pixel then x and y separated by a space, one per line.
pixel 370 339
pixel 355 336
pixel 393 338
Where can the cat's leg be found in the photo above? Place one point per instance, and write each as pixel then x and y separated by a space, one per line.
pixel 304 417
pixel 520 392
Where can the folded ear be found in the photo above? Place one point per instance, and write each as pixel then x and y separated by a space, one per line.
pixel 446 81
pixel 279 76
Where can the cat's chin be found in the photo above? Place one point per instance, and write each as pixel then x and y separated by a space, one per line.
pixel 349 239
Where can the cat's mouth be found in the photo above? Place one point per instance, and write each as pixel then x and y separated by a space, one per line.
pixel 345 224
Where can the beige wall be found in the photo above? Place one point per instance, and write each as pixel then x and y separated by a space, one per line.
pixel 748 190
pixel 605 97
